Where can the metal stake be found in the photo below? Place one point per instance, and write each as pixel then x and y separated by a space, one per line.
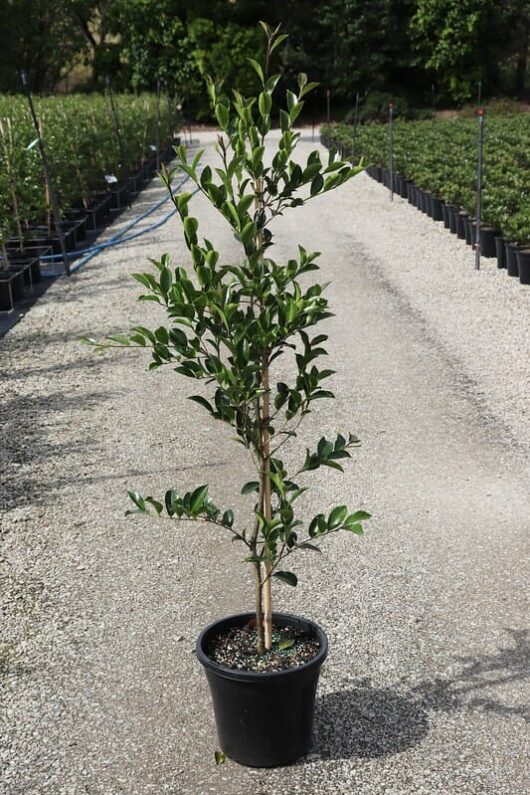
pixel 391 148
pixel 480 114
pixel 355 120
pixel 117 127
pixel 47 175
pixel 157 142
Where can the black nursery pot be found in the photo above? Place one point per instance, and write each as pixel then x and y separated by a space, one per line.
pixel 453 219
pixel 445 214
pixel 500 248
pixel 436 206
pixel 263 719
pixel 511 259
pixel 523 263
pixel 468 231
pixel 461 225
pixel 487 241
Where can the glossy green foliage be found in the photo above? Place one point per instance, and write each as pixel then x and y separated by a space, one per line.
pixel 228 324
pixel 81 145
pixel 441 156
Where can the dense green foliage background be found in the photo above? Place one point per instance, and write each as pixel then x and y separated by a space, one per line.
pixel 81 146
pixel 425 51
pixel 441 156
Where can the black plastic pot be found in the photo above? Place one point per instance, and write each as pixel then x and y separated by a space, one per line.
pixel 446 210
pixel 453 219
pixel 263 719
pixel 30 266
pixel 500 248
pixel 378 173
pixel 523 264
pixel 469 231
pixel 427 201
pixel 437 208
pixel 461 225
pixel 487 241
pixel 512 266
pixel 7 298
pixel 120 197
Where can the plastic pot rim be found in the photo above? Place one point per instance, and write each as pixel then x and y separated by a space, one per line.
pixel 259 676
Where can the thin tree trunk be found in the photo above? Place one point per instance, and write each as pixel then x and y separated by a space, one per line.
pixel 264 456
pixel 260 646
pixel 266 501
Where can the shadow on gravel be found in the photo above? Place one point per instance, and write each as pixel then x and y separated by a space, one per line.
pixel 25 441
pixel 366 722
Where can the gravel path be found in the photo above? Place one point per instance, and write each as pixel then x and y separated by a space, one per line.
pixel 426 688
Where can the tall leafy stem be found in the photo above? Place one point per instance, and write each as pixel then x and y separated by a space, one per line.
pixel 230 323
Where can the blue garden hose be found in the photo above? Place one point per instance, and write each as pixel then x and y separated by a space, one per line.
pixel 89 253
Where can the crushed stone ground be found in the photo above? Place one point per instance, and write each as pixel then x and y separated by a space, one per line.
pixel 425 690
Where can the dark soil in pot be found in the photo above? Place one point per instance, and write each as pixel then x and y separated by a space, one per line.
pixel 523 264
pixel 264 718
pixel 500 247
pixel 237 649
pixel 511 259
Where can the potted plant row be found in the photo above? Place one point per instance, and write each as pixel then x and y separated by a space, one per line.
pixel 226 326
pixel 444 185
pixel 82 148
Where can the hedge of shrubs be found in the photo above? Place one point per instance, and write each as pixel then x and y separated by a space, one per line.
pixel 440 156
pixel 82 146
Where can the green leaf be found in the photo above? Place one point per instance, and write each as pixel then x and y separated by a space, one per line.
pixel 138 500
pixel 202 402
pixel 265 103
pixel 119 338
pixel 354 528
pixel 222 115
pixel 228 518
pixel 197 498
pixel 248 488
pixel 337 516
pixel 359 516
pixel 279 40
pixel 287 577
pixel 285 643
pixel 220 758
pixel 165 280
pixel 258 69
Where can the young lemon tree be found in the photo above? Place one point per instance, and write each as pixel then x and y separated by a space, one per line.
pixel 229 323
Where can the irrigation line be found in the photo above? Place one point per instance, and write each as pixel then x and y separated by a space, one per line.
pixel 118 237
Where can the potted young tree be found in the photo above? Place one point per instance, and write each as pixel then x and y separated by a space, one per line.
pixel 228 324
